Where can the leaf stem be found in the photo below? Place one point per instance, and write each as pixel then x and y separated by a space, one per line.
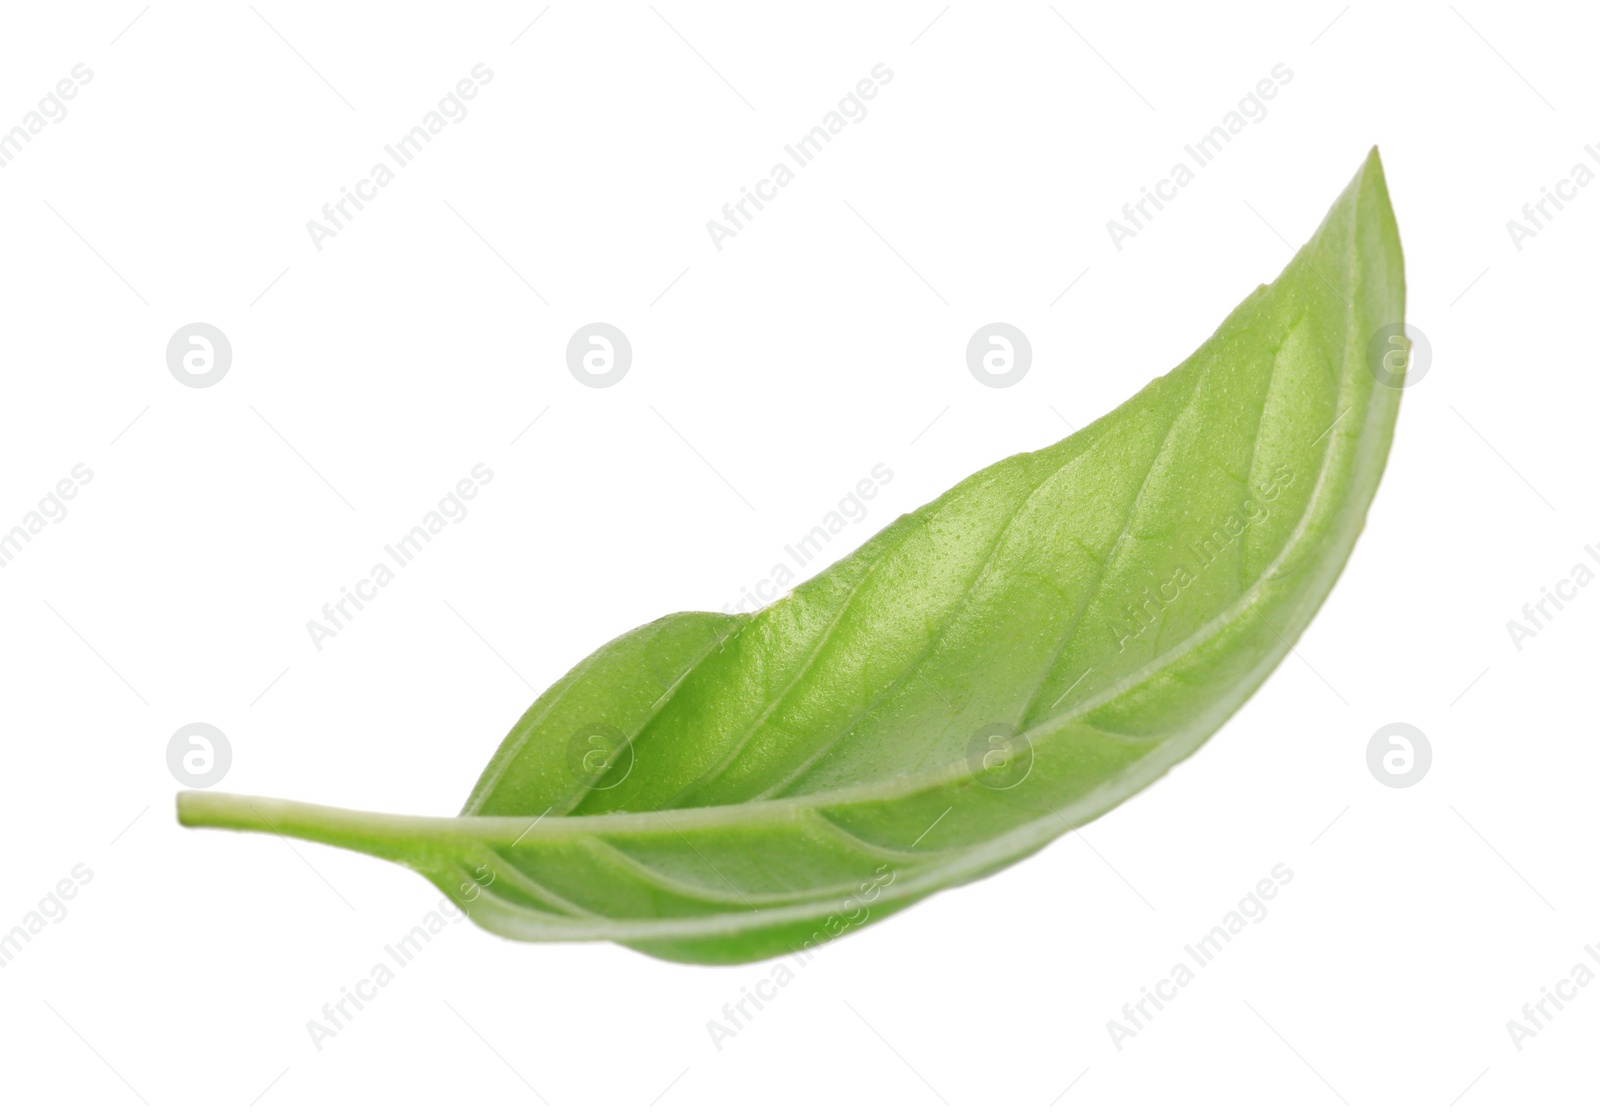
pixel 405 838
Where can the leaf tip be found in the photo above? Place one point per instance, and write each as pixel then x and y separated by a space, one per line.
pixel 1374 166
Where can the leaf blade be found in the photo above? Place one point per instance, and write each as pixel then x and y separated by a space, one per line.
pixel 1009 661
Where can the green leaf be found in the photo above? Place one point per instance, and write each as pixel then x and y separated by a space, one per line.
pixel 1004 664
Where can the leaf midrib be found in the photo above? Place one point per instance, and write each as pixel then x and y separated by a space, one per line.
pixel 914 783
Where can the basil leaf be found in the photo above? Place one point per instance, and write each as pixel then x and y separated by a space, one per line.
pixel 1002 665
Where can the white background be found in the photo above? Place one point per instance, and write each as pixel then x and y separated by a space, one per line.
pixel 369 376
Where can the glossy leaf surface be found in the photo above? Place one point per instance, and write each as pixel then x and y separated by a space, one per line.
pixel 1005 663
